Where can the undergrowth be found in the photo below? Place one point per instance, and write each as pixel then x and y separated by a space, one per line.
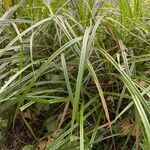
pixel 75 74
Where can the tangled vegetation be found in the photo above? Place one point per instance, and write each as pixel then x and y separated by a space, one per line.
pixel 75 74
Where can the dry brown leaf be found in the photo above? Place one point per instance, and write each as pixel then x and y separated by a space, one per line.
pixel 110 98
pixel 128 128
pixel 27 114
pixel 134 132
pixel 42 145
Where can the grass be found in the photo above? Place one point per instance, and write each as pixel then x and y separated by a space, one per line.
pixel 74 75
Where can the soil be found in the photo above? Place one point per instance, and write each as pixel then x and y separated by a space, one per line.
pixel 18 137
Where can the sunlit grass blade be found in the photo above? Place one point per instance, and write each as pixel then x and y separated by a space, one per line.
pixel 81 128
pixel 66 76
pixel 80 75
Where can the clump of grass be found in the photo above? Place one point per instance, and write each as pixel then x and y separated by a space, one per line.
pixel 75 74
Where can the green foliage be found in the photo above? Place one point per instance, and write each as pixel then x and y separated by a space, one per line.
pixel 75 74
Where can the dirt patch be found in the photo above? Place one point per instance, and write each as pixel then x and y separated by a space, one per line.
pixel 18 137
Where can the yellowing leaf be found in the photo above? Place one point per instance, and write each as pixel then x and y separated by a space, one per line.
pixel 7 4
